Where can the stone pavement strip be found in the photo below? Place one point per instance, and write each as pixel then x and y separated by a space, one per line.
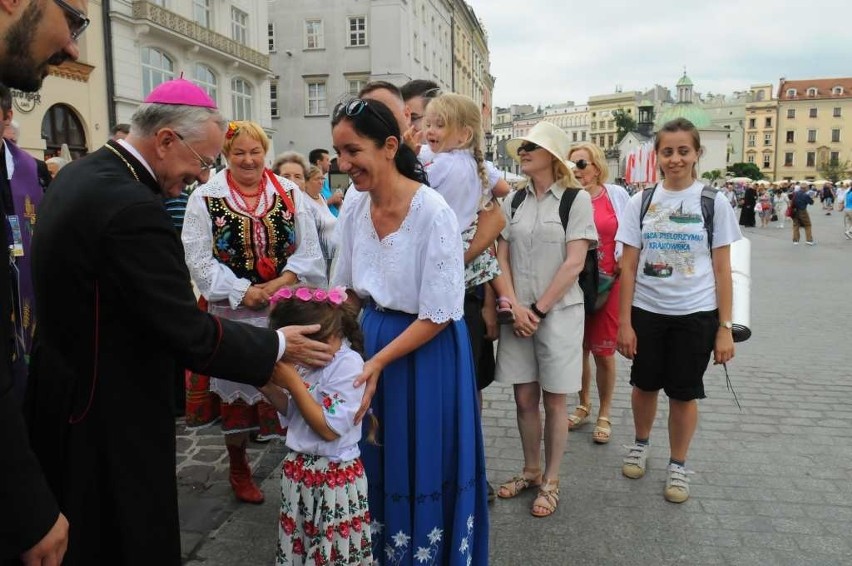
pixel 772 482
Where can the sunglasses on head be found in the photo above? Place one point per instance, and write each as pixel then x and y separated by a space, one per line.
pixel 355 107
pixel 527 147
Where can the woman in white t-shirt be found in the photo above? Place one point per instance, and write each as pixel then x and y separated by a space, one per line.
pixel 675 300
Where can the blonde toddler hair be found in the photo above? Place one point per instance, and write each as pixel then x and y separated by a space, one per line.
pixel 461 114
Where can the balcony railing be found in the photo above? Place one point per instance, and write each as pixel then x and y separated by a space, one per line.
pixel 188 28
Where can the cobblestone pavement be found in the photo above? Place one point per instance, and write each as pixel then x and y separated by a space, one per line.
pixel 772 482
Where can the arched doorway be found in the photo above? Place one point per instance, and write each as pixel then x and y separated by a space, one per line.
pixel 61 125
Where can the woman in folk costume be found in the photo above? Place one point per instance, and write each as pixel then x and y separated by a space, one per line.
pixel 246 235
pixel 401 254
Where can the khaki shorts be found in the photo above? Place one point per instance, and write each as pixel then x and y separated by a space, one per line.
pixel 553 356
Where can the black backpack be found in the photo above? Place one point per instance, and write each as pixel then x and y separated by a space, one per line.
pixel 708 210
pixel 588 278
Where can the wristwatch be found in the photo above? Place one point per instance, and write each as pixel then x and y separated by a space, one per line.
pixel 726 324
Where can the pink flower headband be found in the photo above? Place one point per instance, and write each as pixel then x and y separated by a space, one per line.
pixel 335 296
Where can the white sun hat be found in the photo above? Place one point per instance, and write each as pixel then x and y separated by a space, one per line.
pixel 547 136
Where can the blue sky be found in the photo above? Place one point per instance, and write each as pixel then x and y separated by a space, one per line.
pixel 550 51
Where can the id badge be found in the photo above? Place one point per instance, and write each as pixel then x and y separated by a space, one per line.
pixel 17 245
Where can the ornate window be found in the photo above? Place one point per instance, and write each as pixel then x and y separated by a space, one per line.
pixel 317 101
pixel 313 34
pixel 357 31
pixel 241 99
pixel 157 67
pixel 204 77
pixel 239 26
pixel 201 12
pixel 61 125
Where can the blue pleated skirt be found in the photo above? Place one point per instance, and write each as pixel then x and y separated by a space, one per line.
pixel 427 485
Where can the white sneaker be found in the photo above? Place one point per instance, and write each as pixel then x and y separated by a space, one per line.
pixel 677 484
pixel 634 463
pixel 811 243
pixel 795 243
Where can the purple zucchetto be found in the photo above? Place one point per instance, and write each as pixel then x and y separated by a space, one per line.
pixel 182 92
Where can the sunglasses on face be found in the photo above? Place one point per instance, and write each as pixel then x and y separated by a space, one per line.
pixel 527 147
pixel 77 20
pixel 581 164
pixel 355 107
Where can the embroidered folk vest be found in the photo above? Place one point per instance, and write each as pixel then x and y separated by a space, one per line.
pixel 239 240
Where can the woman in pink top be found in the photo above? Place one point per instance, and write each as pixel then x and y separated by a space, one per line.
pixel 601 327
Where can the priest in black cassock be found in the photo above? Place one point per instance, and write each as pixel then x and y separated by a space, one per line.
pixel 116 314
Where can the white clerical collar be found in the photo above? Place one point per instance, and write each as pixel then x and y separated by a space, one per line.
pixel 135 153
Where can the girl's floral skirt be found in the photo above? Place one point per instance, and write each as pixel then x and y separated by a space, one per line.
pixel 324 515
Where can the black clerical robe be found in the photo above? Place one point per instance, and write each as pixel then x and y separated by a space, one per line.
pixel 116 313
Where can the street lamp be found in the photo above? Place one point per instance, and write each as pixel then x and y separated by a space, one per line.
pixel 489 153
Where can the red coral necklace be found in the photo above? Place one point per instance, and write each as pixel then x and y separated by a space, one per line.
pixel 243 200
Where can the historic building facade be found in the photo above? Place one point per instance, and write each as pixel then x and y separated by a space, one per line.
pixel 813 126
pixel 325 52
pixel 221 45
pixel 760 130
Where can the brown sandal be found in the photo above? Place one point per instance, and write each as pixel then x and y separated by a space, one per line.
pixel 519 483
pixel 580 416
pixel 547 499
pixel 603 431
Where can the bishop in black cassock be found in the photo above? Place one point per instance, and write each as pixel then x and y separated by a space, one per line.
pixel 116 313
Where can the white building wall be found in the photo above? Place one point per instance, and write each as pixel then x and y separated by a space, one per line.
pixel 715 145
pixel 390 55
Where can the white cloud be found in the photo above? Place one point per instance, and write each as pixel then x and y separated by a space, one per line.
pixel 547 51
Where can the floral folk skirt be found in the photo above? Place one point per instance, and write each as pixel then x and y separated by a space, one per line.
pixel 324 516
pixel 428 493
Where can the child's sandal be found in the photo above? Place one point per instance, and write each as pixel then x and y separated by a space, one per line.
pixel 505 315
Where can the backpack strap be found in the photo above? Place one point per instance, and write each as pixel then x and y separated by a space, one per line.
pixel 647 196
pixel 519 197
pixel 708 211
pixel 565 205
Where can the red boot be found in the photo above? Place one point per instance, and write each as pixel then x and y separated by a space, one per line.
pixel 241 481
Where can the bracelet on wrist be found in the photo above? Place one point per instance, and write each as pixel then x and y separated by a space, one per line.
pixel 537 312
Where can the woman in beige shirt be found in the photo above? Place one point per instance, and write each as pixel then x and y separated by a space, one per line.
pixel 541 356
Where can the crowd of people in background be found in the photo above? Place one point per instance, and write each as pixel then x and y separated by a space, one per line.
pixel 763 203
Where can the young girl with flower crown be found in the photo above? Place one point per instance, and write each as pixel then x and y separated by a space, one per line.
pixel 324 517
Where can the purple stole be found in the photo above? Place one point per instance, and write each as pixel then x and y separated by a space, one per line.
pixel 26 196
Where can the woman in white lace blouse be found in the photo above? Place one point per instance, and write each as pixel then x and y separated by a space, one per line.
pixel 401 253
pixel 246 234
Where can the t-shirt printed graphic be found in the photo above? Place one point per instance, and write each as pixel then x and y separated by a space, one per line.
pixel 670 245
